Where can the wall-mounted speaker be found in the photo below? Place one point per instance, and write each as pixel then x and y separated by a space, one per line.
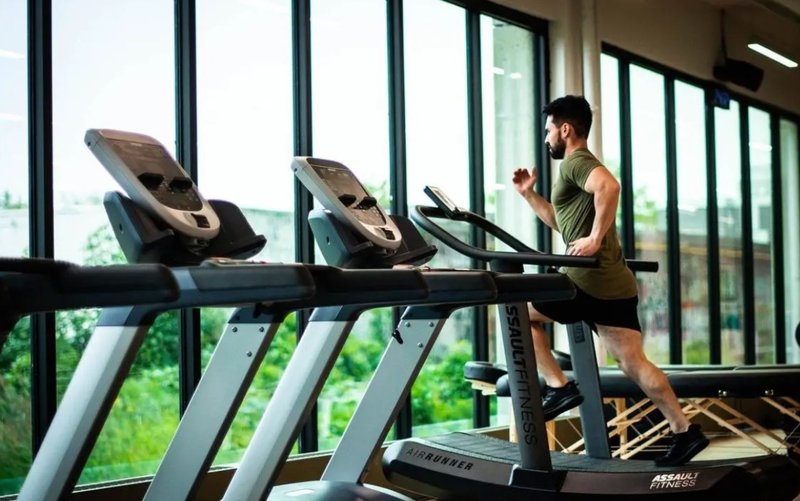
pixel 741 73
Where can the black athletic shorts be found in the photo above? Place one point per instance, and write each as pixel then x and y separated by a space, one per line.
pixel 593 311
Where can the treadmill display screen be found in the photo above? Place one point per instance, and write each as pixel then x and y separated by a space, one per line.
pixel 143 157
pixel 341 182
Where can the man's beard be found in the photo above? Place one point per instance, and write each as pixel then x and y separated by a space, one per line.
pixel 557 152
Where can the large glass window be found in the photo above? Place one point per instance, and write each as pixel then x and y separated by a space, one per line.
pixel 113 67
pixel 240 82
pixel 790 179
pixel 729 209
pixel 509 123
pixel 760 148
pixel 350 125
pixel 690 139
pixel 15 388
pixel 648 149
pixel 437 153
pixel 244 114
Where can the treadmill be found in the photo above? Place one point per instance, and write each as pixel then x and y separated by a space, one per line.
pixel 346 232
pixel 466 466
pixel 203 242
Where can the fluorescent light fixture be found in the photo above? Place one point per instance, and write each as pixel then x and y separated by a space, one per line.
pixel 499 71
pixel 767 52
pixel 11 54
pixel 516 75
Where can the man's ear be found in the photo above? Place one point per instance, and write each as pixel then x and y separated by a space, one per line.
pixel 566 129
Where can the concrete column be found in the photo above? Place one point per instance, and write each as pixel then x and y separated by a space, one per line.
pixel 591 72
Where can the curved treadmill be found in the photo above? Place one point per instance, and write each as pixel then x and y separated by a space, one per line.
pixel 465 466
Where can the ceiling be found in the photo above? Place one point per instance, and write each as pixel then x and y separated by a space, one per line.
pixel 788 9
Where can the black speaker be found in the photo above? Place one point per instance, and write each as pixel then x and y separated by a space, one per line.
pixel 741 73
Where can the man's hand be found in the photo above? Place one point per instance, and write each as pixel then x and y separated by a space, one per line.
pixel 586 246
pixel 524 181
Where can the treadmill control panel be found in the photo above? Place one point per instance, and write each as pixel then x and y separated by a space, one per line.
pixel 444 202
pixel 153 179
pixel 339 191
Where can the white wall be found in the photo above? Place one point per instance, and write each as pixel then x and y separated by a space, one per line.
pixel 681 34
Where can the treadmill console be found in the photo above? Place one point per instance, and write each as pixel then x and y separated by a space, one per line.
pixel 444 202
pixel 150 176
pixel 339 191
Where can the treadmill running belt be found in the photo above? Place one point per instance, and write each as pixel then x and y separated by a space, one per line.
pixel 485 447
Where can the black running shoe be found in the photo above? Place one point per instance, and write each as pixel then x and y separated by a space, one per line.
pixel 684 447
pixel 559 400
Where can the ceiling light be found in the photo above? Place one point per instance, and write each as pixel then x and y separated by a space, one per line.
pixel 499 71
pixel 765 51
pixel 516 75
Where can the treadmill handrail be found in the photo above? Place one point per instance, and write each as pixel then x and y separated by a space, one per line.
pixel 40 285
pixel 423 216
pixel 33 265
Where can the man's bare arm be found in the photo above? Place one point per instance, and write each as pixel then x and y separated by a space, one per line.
pixel 605 188
pixel 524 183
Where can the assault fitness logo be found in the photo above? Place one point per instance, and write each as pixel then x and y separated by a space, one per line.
pixel 674 480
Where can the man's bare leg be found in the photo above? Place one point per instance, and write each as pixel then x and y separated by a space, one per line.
pixel 625 345
pixel 545 361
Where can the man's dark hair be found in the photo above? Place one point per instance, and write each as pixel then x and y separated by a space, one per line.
pixel 574 110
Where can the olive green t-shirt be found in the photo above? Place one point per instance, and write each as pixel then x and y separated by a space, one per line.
pixel 574 210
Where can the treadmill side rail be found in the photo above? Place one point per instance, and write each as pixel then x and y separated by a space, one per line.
pixel 84 407
pixel 214 403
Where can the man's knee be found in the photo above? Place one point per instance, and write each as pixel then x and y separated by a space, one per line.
pixel 632 363
pixel 535 316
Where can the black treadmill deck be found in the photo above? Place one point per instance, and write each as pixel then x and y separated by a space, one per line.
pixel 471 466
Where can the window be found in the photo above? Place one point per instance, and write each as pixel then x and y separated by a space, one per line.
pixel 15 358
pixel 702 341
pixel 437 153
pixel 113 67
pixel 648 140
pixel 729 210
pixel 509 123
pixel 761 205
pixel 790 179
pixel 350 125
pixel 245 144
pixel 690 137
